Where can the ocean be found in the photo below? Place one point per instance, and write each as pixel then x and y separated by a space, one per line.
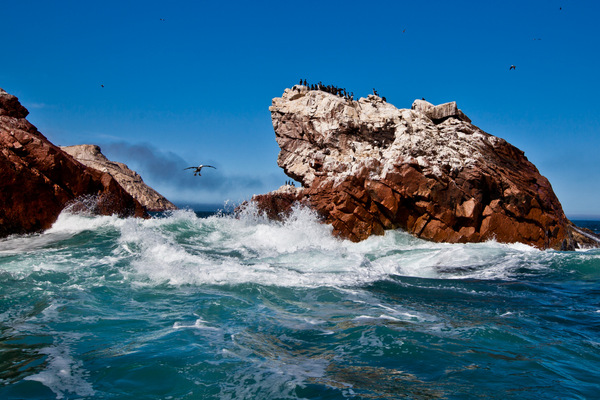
pixel 212 306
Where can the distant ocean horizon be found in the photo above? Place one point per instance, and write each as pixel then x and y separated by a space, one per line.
pixel 204 305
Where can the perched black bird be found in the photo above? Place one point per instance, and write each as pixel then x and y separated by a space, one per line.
pixel 198 169
pixel 512 67
pixel 300 82
pixel 305 82
pixel 375 92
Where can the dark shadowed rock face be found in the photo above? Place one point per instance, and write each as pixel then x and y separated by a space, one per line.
pixel 38 179
pixel 367 166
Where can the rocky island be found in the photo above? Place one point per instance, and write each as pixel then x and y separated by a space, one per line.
pixel 367 166
pixel 38 179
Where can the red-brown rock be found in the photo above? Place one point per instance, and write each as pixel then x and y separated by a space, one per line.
pixel 38 179
pixel 367 166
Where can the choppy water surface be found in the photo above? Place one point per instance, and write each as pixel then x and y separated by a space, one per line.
pixel 189 307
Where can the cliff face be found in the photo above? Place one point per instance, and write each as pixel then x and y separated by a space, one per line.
pixel 91 155
pixel 38 179
pixel 367 166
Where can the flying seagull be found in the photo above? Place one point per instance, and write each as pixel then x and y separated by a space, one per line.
pixel 198 169
pixel 512 67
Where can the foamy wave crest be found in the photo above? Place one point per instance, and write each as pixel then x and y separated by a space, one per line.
pixel 231 250
pixel 68 224
pixel 74 222
pixel 298 251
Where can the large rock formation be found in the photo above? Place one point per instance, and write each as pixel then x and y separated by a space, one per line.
pixel 38 179
pixel 91 155
pixel 367 166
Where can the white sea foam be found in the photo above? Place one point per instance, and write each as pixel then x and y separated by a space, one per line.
pixel 181 248
pixel 67 225
pixel 63 374
pixel 68 222
pixel 300 251
pixel 198 324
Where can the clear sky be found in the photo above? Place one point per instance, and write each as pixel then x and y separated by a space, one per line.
pixel 195 87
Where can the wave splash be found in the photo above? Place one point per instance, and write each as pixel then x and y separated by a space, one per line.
pixel 178 248
pixel 181 248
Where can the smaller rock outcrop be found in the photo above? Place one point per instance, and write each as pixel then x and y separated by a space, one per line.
pixel 38 180
pixel 91 155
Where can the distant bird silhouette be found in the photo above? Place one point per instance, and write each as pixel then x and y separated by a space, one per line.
pixel 162 19
pixel 512 67
pixel 101 85
pixel 404 31
pixel 198 169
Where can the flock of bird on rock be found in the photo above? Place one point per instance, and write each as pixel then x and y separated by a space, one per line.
pixel 332 89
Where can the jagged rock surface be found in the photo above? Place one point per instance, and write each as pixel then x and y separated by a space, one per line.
pixel 38 180
pixel 91 155
pixel 367 166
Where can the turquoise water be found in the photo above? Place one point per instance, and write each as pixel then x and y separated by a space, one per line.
pixel 184 306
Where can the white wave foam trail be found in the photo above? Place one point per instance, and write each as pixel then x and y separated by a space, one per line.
pixel 63 374
pixel 301 252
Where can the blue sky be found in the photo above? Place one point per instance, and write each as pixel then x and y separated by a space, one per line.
pixel 196 87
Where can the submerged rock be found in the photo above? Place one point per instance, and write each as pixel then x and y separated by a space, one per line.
pixel 38 180
pixel 91 155
pixel 367 166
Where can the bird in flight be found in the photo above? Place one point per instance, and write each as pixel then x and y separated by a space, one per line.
pixel 162 19
pixel 512 67
pixel 198 169
pixel 101 85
